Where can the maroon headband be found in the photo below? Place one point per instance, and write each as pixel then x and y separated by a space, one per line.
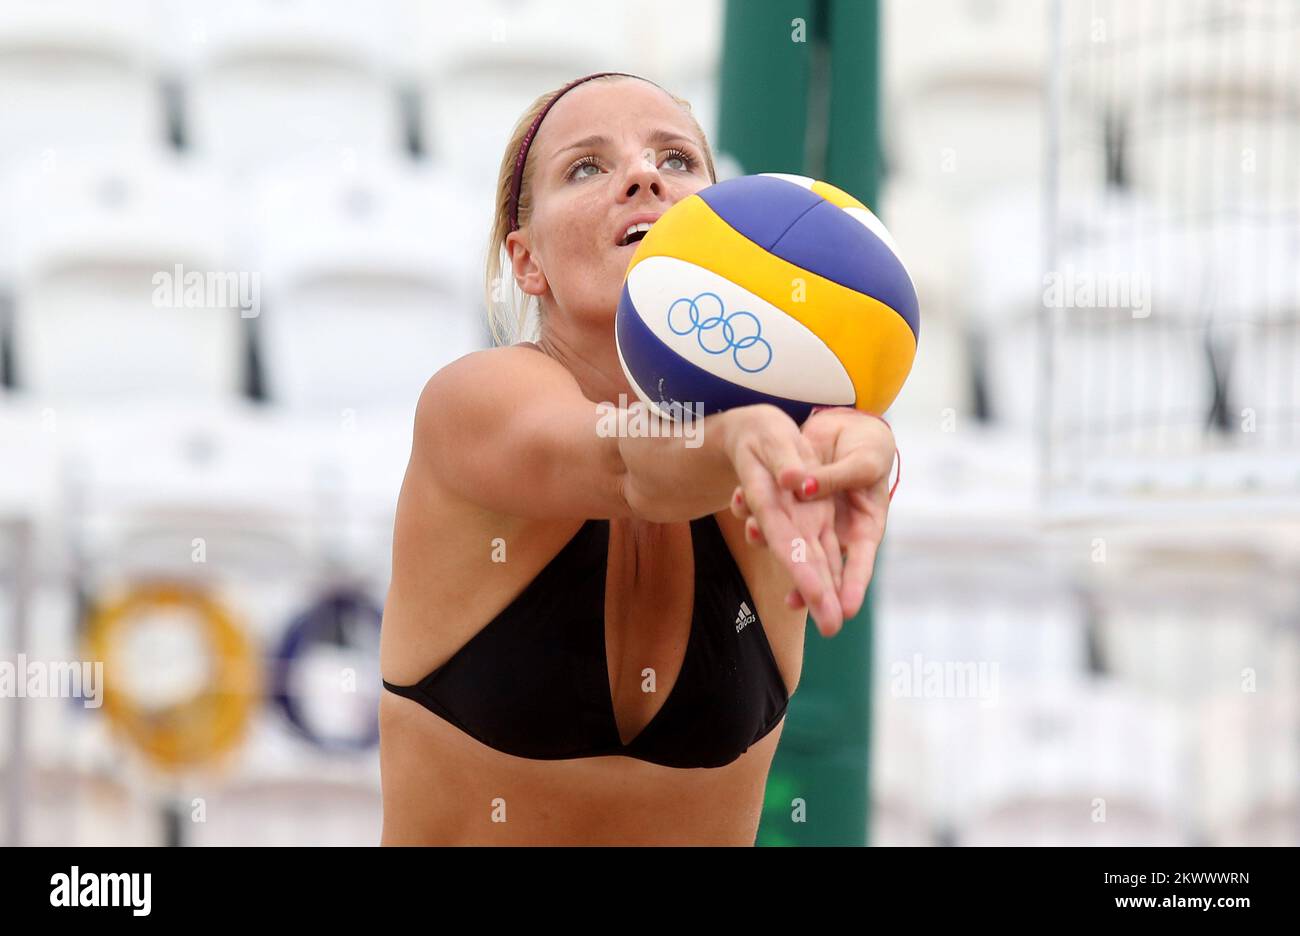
pixel 517 180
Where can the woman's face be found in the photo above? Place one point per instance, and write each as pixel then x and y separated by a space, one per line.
pixel 608 155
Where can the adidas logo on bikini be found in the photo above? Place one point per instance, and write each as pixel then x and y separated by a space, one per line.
pixel 743 617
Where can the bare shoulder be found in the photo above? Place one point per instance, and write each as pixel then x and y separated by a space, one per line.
pixel 510 430
pixel 465 408
pixel 491 376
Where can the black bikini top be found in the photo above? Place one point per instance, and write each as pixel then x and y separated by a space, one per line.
pixel 534 682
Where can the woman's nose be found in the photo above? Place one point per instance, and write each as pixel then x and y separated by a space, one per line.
pixel 642 173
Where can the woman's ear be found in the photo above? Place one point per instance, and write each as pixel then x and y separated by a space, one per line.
pixel 523 263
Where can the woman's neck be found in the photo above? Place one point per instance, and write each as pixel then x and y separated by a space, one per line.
pixel 588 352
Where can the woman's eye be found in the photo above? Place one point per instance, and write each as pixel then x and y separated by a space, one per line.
pixel 576 170
pixel 677 156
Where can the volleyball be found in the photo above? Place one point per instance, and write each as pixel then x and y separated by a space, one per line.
pixel 770 288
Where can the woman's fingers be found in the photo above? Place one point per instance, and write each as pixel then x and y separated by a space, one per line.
pixel 825 608
pixel 812 582
pixel 834 557
pixel 828 612
pixel 856 452
pixel 858 568
pixel 788 458
pixel 833 569
pixel 826 559
pixel 858 470
pixel 772 464
pixel 778 517
pixel 739 508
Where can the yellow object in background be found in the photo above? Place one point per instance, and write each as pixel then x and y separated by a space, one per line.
pixel 180 675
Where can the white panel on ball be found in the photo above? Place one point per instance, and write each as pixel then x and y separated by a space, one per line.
pixel 787 359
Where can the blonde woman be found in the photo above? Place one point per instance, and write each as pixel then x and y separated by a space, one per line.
pixel 587 638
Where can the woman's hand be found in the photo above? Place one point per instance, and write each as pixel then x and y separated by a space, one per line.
pixel 772 458
pixel 854 454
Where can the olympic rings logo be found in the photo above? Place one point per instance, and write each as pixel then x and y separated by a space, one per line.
pixel 717 332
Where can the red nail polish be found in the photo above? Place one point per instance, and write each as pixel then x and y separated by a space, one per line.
pixel 809 487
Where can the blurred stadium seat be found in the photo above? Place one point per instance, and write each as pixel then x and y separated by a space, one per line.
pixel 1256 331
pixel 264 81
pixel 373 284
pixel 984 612
pixel 76 75
pixel 1247 783
pixel 957 95
pixel 901 812
pixel 1186 622
pixel 1085 763
pixel 1131 362
pixel 96 243
pixel 1204 107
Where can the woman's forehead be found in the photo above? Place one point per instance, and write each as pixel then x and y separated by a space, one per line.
pixel 598 107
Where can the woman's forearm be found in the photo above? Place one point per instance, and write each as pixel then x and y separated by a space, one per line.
pixel 687 473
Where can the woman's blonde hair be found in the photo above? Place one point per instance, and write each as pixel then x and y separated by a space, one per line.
pixel 508 307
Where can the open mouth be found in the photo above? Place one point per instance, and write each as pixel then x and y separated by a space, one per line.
pixel 634 234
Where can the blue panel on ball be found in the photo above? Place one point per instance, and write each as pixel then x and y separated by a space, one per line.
pixel 760 207
pixel 666 377
pixel 831 243
pixel 802 228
